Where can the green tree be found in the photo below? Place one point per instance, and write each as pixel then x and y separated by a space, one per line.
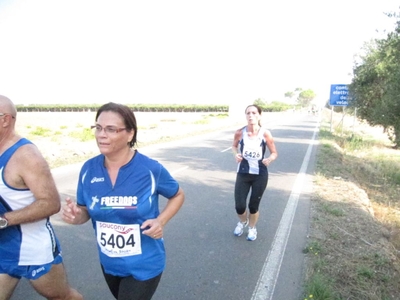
pixel 289 95
pixel 259 102
pixel 375 87
pixel 292 94
pixel 306 97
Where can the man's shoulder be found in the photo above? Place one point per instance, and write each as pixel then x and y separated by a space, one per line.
pixel 25 150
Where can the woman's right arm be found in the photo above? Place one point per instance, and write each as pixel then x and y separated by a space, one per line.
pixel 74 214
pixel 235 145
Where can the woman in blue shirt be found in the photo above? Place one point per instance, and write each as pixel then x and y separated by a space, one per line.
pixel 119 191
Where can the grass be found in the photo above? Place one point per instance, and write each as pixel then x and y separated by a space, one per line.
pixel 170 129
pixel 62 145
pixel 83 135
pixel 41 131
pixel 319 288
pixel 354 246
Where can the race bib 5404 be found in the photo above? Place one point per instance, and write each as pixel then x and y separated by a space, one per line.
pixel 118 240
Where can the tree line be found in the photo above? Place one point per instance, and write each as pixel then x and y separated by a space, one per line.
pixel 267 107
pixel 134 107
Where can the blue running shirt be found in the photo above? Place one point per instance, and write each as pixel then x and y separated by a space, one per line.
pixel 118 211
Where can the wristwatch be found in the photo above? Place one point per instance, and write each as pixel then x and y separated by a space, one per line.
pixel 3 222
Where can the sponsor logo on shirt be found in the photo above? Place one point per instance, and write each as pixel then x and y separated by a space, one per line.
pixel 94 201
pixel 95 179
pixel 118 202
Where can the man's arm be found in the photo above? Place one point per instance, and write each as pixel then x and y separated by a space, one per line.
pixel 27 168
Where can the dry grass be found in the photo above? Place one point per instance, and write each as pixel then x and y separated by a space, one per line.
pixel 65 137
pixel 355 215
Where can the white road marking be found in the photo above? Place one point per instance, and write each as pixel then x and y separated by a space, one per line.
pixel 179 170
pixel 266 283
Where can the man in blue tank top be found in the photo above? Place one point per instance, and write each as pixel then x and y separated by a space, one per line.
pixel 28 197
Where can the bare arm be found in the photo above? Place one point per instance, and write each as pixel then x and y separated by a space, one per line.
pixel 155 226
pixel 235 145
pixel 28 169
pixel 271 147
pixel 172 207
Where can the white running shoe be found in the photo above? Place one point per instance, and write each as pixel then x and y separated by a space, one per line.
pixel 239 228
pixel 252 234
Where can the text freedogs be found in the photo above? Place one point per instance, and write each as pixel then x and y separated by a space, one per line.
pixel 119 200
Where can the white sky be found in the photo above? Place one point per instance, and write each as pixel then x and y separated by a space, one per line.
pixel 180 51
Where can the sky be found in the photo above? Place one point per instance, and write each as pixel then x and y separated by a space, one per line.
pixel 181 51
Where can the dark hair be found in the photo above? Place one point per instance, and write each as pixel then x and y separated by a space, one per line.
pixel 126 113
pixel 259 109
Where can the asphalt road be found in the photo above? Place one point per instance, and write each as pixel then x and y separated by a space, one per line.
pixel 204 259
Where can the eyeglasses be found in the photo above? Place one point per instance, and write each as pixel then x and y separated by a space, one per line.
pixel 107 129
pixel 5 114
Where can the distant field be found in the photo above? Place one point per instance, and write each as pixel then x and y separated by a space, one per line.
pixel 57 119
pixel 64 137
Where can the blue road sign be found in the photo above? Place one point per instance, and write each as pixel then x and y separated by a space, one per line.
pixel 339 95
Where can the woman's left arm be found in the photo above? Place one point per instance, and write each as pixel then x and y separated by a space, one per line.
pixel 155 227
pixel 271 147
pixel 172 207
